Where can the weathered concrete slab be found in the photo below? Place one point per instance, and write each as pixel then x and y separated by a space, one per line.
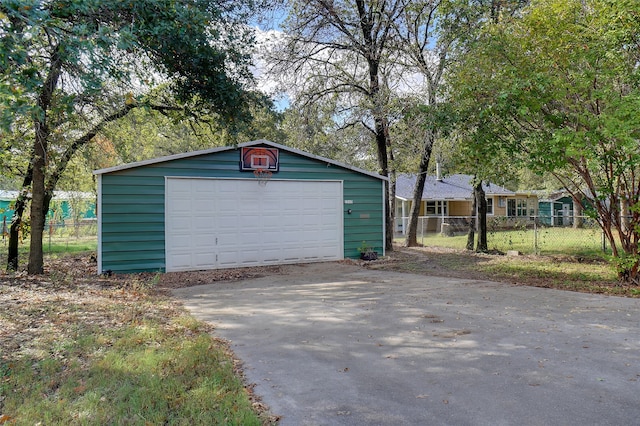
pixel 334 344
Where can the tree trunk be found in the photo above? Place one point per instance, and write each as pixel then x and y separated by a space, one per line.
pixel 16 221
pixel 577 214
pixel 412 232
pixel 39 161
pixel 391 217
pixel 481 202
pixel 381 144
pixel 471 234
pixel 14 232
pixel 21 201
pixel 624 216
pixel 38 214
pixel 390 230
pixel 14 237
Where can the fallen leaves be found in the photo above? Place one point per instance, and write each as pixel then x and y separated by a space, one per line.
pixel 37 308
pixel 42 315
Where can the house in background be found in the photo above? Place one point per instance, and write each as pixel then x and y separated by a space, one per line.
pixel 560 209
pixel 65 205
pixel 448 200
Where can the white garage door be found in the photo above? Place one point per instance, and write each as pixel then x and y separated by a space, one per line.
pixel 218 223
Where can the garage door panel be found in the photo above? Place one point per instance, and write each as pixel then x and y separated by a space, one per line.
pixel 228 258
pixel 218 223
pixel 203 260
pixel 181 241
pixel 273 221
pixel 179 262
pixel 290 254
pixel 227 224
pixel 272 255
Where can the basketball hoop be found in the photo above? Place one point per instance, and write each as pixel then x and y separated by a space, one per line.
pixel 263 176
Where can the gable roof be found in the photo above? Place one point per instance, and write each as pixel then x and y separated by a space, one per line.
pixel 229 148
pixel 11 195
pixel 452 187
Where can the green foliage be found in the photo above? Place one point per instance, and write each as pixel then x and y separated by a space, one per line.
pixel 142 373
pixel 555 88
pixel 69 67
pixel 550 241
pixel 145 134
pixel 313 128
pixel 365 248
pixel 198 46
pixel 625 264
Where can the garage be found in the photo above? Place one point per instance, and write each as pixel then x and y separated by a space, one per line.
pixel 258 203
pixel 215 223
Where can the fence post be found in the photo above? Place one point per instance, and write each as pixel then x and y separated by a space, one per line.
pixel 536 249
pixel 604 242
pixel 50 233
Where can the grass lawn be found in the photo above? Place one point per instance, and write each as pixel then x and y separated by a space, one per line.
pixel 548 241
pixel 583 273
pixel 81 349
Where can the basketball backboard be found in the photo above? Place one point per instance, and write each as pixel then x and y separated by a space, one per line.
pixel 259 158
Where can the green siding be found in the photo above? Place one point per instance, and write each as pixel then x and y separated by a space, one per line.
pixel 133 204
pixel 5 211
pixel 63 214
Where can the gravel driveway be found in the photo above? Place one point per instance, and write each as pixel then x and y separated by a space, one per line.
pixel 336 344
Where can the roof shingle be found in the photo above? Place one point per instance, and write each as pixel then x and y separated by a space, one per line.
pixel 452 187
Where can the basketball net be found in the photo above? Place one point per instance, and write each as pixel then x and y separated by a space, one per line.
pixel 263 176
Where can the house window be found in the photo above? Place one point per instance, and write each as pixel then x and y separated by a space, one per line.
pixel 489 205
pixel 517 207
pixel 436 208
pixel 502 201
pixel 521 209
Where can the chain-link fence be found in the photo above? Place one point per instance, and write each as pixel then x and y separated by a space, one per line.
pixel 529 235
pixel 59 233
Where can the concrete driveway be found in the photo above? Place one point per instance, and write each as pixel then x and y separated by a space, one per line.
pixel 335 344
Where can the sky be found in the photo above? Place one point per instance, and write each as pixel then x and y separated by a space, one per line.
pixel 265 83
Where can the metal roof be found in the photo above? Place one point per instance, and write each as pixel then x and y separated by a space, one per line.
pixel 57 195
pixel 452 187
pixel 228 148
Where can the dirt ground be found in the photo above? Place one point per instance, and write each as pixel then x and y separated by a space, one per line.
pixel 520 270
pixel 75 276
pixel 436 261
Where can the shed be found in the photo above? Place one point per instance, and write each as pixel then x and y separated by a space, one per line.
pixel 208 210
pixel 64 205
pixel 558 209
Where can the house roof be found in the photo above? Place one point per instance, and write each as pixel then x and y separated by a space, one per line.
pixel 8 195
pixel 57 195
pixel 452 187
pixel 228 148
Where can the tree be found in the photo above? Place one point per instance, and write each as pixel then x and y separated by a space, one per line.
pixel 559 88
pixel 314 129
pixel 68 68
pixel 340 49
pixel 481 205
pixel 146 133
pixel 426 51
pixel 432 35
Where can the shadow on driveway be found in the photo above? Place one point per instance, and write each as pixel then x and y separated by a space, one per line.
pixel 335 344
